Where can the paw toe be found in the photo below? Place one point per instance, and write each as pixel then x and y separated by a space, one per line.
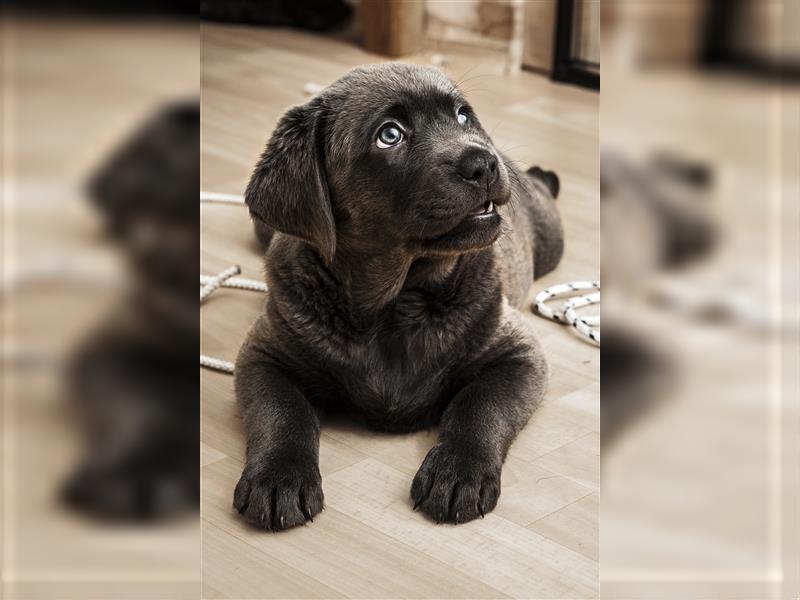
pixel 276 504
pixel 452 488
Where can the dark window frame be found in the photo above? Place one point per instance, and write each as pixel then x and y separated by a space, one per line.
pixel 566 68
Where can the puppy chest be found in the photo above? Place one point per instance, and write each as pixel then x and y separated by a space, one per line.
pixel 394 392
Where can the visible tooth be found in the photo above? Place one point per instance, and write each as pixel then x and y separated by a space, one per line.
pixel 489 207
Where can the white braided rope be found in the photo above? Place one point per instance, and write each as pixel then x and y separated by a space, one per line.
pixel 224 279
pixel 220 198
pixel 217 364
pixel 557 291
pixel 580 325
pixel 217 281
pixel 584 325
pixel 239 283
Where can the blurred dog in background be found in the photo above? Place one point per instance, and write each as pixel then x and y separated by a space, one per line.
pixel 134 379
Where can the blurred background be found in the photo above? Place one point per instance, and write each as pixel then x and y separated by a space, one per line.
pixel 99 236
pixel 699 212
pixel 560 39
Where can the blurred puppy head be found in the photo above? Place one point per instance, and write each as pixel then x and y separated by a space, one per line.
pixel 147 191
pixel 389 157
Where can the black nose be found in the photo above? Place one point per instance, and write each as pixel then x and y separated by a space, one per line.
pixel 478 166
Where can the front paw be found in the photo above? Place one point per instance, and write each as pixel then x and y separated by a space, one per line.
pixel 276 494
pixel 455 485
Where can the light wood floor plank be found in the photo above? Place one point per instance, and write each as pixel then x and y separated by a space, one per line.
pixel 339 550
pixel 573 526
pixel 493 550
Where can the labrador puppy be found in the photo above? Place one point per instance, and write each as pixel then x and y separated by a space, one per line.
pixel 402 241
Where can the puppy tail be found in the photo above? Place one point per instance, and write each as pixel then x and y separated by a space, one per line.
pixel 548 178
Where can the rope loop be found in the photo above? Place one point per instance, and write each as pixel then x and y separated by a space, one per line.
pixel 585 326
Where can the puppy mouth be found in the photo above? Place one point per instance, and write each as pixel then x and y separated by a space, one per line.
pixel 485 209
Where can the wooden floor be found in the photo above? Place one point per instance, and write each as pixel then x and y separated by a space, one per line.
pixel 541 541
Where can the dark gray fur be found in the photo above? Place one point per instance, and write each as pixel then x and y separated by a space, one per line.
pixel 386 299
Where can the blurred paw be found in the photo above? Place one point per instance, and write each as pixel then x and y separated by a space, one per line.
pixel 128 494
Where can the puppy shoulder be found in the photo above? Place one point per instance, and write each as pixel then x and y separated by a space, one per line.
pixel 516 335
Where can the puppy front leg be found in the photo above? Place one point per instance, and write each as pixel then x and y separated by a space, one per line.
pixel 459 479
pixel 280 486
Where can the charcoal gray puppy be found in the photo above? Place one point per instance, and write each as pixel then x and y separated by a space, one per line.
pixel 402 241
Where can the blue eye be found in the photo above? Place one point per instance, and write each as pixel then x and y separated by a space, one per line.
pixel 463 117
pixel 389 135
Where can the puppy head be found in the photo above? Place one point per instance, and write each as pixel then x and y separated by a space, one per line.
pixel 390 157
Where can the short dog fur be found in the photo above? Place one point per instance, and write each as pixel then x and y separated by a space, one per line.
pixel 399 241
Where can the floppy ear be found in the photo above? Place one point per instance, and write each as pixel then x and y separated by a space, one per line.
pixel 288 190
